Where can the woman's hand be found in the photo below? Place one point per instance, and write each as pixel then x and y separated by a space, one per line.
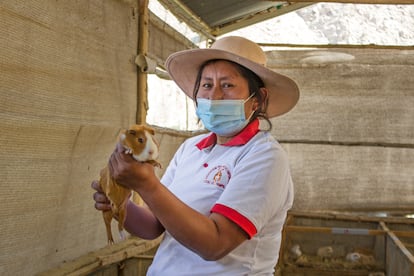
pixel 102 203
pixel 129 172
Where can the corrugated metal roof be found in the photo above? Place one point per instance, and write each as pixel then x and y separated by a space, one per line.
pixel 219 12
pixel 216 17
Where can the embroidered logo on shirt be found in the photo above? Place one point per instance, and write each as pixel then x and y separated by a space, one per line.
pixel 219 176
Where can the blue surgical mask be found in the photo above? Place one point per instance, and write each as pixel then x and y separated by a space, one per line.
pixel 223 117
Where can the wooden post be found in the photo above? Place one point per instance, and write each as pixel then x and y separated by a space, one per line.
pixel 142 99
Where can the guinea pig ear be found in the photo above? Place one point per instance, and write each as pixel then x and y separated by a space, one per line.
pixel 150 130
pixel 131 131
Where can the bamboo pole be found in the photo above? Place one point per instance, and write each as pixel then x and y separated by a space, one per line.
pixel 142 99
pixel 350 217
pixel 142 93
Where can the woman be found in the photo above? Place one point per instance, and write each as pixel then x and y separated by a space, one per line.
pixel 224 197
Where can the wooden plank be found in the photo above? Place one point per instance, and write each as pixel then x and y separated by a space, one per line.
pixel 397 222
pixel 142 98
pixel 294 271
pixel 125 254
pixel 400 261
pixel 346 231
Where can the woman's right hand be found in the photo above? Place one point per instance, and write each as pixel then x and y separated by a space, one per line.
pixel 102 203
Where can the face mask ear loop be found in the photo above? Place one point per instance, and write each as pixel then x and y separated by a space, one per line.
pixel 250 116
pixel 245 101
pixel 251 96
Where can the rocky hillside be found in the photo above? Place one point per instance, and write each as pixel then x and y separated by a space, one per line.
pixel 327 23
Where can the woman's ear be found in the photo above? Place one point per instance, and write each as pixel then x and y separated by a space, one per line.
pixel 255 104
pixel 264 92
pixel 264 96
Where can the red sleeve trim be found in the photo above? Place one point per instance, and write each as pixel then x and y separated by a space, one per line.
pixel 237 218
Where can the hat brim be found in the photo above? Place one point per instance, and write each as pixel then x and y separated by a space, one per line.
pixel 183 68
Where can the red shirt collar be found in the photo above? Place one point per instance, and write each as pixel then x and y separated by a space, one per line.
pixel 240 139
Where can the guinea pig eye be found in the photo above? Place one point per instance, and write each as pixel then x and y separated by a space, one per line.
pixel 140 140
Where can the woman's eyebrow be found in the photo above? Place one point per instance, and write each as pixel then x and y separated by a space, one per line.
pixel 229 77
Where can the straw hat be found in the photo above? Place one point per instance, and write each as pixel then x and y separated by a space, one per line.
pixel 183 67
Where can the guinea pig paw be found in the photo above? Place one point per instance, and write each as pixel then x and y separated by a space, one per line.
pixel 123 235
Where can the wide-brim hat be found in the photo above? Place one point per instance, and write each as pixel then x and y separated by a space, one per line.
pixel 183 68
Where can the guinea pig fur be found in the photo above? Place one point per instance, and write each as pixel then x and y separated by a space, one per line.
pixel 138 141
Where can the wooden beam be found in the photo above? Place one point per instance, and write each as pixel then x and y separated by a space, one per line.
pixel 91 263
pixel 346 231
pixel 142 99
pixel 142 78
pixel 344 46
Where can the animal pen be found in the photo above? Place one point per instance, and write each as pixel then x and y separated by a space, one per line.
pixel 73 73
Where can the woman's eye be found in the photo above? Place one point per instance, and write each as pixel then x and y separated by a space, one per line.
pixel 227 85
pixel 206 85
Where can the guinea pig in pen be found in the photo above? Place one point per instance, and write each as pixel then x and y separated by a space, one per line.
pixel 316 244
pixel 139 141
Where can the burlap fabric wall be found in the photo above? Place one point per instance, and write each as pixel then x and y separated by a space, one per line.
pixel 351 136
pixel 67 85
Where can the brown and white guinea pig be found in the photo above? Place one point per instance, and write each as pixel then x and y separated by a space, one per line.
pixel 138 141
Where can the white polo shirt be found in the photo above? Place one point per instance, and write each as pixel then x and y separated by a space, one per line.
pixel 246 180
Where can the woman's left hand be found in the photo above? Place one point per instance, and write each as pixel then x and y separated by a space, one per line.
pixel 129 172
